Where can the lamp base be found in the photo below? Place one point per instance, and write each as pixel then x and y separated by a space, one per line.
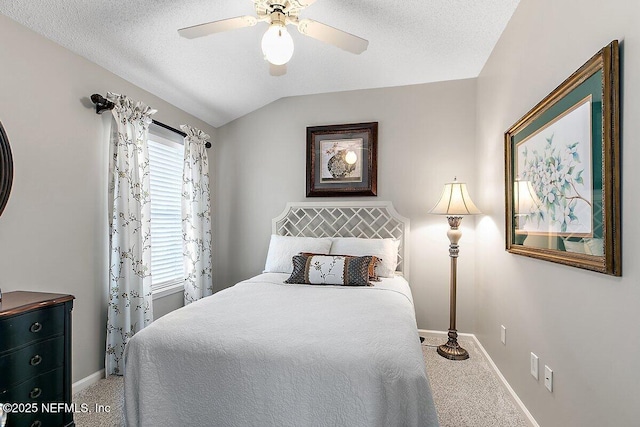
pixel 452 350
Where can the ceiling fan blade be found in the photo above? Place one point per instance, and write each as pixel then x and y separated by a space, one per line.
pixel 302 3
pixel 327 34
pixel 202 30
pixel 277 70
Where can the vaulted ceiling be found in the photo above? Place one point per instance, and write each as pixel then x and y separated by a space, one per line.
pixel 223 76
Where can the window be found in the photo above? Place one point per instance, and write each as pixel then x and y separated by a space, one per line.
pixel 166 153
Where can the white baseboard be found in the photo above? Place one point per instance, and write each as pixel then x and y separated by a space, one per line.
pixel 78 386
pixel 525 411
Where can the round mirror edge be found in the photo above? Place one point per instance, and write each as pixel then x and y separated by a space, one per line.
pixel 6 169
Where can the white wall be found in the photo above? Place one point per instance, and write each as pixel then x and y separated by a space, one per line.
pixel 53 232
pixel 426 136
pixel 584 325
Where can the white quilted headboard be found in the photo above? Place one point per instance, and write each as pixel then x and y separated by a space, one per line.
pixel 371 220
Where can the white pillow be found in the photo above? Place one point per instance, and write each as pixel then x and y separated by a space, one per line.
pixel 283 248
pixel 385 249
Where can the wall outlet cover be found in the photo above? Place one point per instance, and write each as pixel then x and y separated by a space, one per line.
pixel 548 378
pixel 534 366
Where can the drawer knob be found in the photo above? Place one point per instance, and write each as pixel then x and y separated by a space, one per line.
pixel 36 327
pixel 36 423
pixel 35 393
pixel 35 360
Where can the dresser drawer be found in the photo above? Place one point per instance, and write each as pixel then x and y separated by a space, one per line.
pixel 38 419
pixel 32 326
pixel 43 388
pixel 31 361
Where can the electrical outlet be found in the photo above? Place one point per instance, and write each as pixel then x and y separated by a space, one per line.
pixel 548 378
pixel 503 334
pixel 534 366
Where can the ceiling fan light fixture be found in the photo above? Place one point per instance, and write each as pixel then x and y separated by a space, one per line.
pixel 277 44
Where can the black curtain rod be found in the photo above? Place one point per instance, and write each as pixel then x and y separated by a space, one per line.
pixel 103 104
pixel 162 125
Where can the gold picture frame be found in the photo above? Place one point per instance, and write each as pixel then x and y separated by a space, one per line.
pixel 562 172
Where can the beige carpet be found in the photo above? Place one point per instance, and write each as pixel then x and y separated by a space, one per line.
pixel 466 393
pixel 107 392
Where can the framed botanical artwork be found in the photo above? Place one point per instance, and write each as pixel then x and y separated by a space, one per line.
pixel 342 160
pixel 562 163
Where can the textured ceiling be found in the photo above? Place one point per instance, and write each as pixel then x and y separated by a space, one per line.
pixel 221 77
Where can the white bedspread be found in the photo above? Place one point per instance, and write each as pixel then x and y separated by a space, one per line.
pixel 263 353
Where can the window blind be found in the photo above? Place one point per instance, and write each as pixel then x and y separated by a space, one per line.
pixel 165 165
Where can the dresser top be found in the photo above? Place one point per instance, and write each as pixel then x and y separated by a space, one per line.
pixel 20 301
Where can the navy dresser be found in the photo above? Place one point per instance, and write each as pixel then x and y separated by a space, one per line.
pixel 35 358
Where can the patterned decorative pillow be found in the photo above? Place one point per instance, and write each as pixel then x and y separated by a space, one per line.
pixel 330 270
pixel 373 277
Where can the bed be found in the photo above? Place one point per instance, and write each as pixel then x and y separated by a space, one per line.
pixel 267 353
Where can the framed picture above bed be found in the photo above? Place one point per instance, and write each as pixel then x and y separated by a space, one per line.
pixel 342 160
pixel 562 164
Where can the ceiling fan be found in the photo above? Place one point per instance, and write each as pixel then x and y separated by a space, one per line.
pixel 277 44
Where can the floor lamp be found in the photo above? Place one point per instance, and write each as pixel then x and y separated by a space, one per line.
pixel 454 202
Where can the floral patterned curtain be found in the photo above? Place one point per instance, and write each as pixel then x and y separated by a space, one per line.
pixel 196 217
pixel 130 303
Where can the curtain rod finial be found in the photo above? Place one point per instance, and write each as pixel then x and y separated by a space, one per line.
pixel 102 103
